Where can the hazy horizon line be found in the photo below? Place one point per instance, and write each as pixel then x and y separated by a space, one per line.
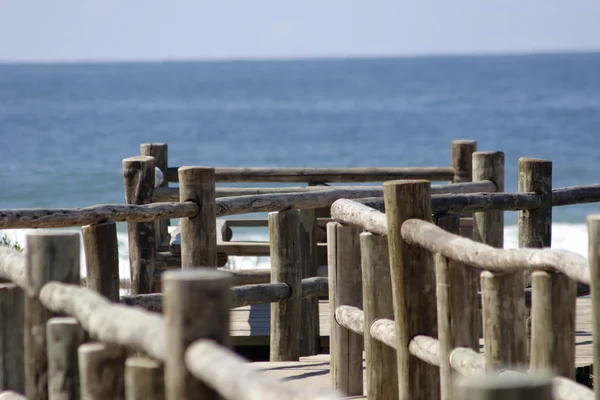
pixel 292 58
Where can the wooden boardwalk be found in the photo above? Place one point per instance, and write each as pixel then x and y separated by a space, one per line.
pixel 250 326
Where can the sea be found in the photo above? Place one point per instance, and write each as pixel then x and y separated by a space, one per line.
pixel 65 128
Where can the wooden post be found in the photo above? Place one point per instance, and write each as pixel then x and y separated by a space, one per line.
pixel 309 324
pixel 413 284
pixel 196 306
pixel 462 156
pixel 503 300
pixel 102 258
pixel 64 336
pixel 593 223
pixel 554 294
pixel 323 212
pixel 198 234
pixel 138 173
pixel 102 371
pixel 457 306
pixel 514 387
pixel 382 372
pixel 144 379
pixel 160 152
pixel 284 237
pixel 12 314
pixel 50 257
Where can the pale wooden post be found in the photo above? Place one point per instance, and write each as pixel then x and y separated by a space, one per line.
pixel 160 152
pixel 199 233
pixel 50 257
pixel 593 223
pixel 144 379
pixel 503 299
pixel 138 173
pixel 286 267
pixel 462 160
pixel 382 372
pixel 64 336
pixel 101 371
pixel 554 294
pixel 413 284
pixel 196 305
pixel 12 315
pixel 345 288
pixel 457 306
pixel 514 387
pixel 309 323
pixel 101 248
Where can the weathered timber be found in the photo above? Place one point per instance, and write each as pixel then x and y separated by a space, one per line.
pixel 351 318
pixel 64 336
pixel 413 285
pixel 50 257
pixel 381 370
pixel 576 195
pixel 593 224
pixel 198 233
pixel 345 288
pixel 384 330
pixel 315 286
pixel 352 212
pixel 515 387
pixel 102 260
pixel 160 152
pixel 12 314
pixel 259 294
pixel 11 395
pixel 144 379
pixel 479 255
pixel 322 175
pixel 309 314
pixel 237 379
pixel 102 371
pixel 197 304
pixel 461 156
pixel 284 234
pixel 138 174
pixel 12 266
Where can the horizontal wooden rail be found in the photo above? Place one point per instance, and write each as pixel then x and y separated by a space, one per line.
pixel 315 286
pixel 260 294
pixel 351 318
pixel 11 395
pixel 576 195
pixel 323 175
pixel 167 194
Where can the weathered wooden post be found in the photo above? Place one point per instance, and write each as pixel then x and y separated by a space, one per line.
pixel 503 299
pixel 457 306
pixel 144 379
pixel 50 257
pixel 462 160
pixel 138 174
pixel 12 315
pixel 199 233
pixel 309 324
pixel 286 266
pixel 196 306
pixel 64 336
pixel 593 223
pixel 514 387
pixel 382 372
pixel 160 152
pixel 101 371
pixel 102 258
pixel 345 289
pixel 413 285
pixel 554 294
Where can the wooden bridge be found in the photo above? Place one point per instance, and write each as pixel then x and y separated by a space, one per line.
pixel 405 285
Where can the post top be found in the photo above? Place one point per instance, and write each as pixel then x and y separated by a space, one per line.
pixel 488 153
pixel 140 159
pixel 195 168
pixel 141 362
pixel 153 144
pixel 406 182
pixel 464 142
pixel 63 321
pixel 533 160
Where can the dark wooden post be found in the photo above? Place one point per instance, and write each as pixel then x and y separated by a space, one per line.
pixel 101 371
pixel 382 372
pixel 309 325
pixel 196 306
pixel 593 223
pixel 286 266
pixel 345 289
pixel 160 152
pixel 102 259
pixel 138 173
pixel 199 233
pixel 413 284
pixel 12 315
pixel 503 300
pixel 144 379
pixel 462 156
pixel 64 336
pixel 50 257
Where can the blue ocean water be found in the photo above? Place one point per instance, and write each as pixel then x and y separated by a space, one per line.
pixel 66 127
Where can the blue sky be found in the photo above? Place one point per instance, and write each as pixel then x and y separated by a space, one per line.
pixel 74 30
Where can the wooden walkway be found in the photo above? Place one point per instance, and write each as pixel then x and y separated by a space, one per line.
pixel 250 326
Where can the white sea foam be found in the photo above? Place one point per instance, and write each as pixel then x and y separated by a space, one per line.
pixel 566 236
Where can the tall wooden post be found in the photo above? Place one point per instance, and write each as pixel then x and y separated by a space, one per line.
pixel 144 379
pixel 160 152
pixel 50 257
pixel 64 336
pixel 12 315
pixel 593 222
pixel 462 155
pixel 101 371
pixel 413 284
pixel 309 325
pixel 138 173
pixel 101 248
